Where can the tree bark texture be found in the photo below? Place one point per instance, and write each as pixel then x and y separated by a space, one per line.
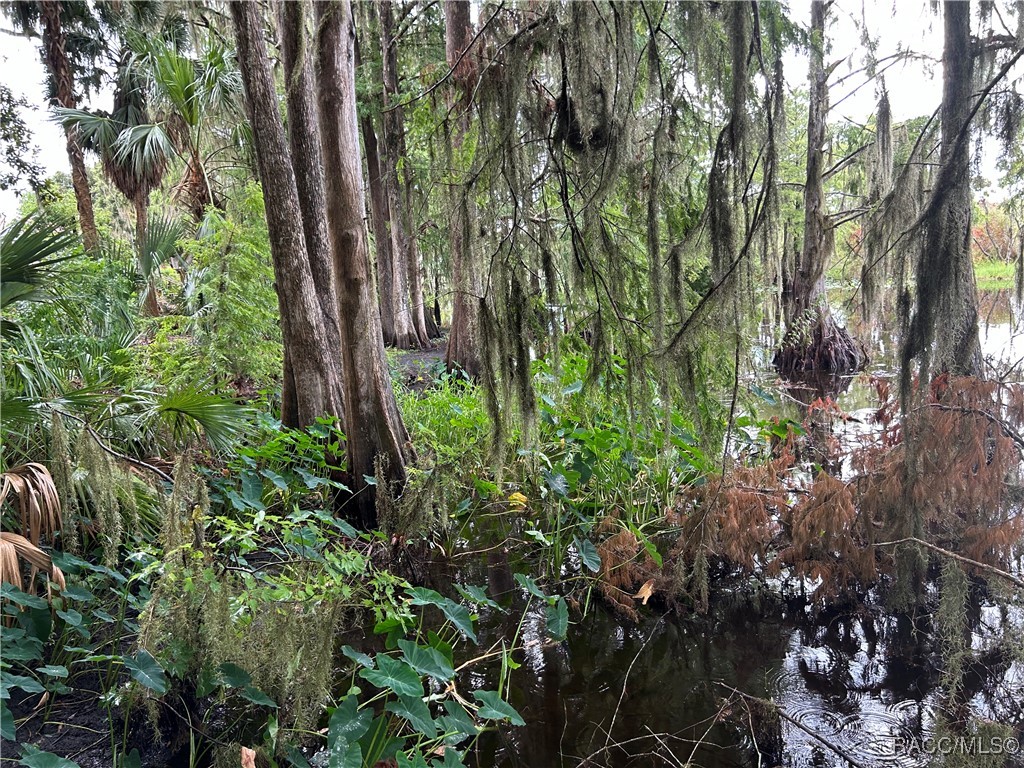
pixel 946 315
pixel 54 44
pixel 380 215
pixel 311 385
pixel 809 276
pixel 374 428
pixel 306 152
pixel 398 183
pixel 464 340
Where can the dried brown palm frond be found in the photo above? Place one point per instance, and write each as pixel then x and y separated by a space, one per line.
pixel 13 550
pixel 10 567
pixel 38 502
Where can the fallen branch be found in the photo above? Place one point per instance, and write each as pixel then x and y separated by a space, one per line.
pixel 123 457
pixel 797 724
pixel 947 553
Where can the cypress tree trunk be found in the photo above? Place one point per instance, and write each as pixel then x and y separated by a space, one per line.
pixel 379 217
pixel 814 342
pixel 947 296
pixel 463 349
pixel 306 152
pixel 151 305
pixel 376 435
pixel 408 271
pixel 311 384
pixel 809 278
pixel 57 62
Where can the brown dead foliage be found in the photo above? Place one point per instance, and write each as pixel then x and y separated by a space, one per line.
pixel 625 568
pixel 824 540
pixel 945 472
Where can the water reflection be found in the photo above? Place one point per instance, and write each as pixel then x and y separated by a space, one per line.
pixel 854 683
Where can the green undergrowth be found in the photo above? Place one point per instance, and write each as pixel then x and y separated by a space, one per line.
pixel 231 616
pixel 600 457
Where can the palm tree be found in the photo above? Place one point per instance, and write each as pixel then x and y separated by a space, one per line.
pixel 134 164
pixel 185 93
pixel 72 42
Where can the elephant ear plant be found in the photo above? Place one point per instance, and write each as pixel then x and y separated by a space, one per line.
pixel 404 707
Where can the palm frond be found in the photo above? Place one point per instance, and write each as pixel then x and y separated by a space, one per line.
pixel 188 412
pixel 220 82
pixel 38 504
pixel 23 353
pixel 13 549
pixel 30 250
pixel 97 131
pixel 162 235
pixel 174 79
pixel 145 149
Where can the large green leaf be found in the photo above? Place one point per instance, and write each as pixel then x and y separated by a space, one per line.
pixel 395 675
pixel 588 554
pixel 427 661
pixel 347 725
pixel 233 675
pixel 145 669
pixel 359 658
pixel 530 586
pixel 256 696
pixel 456 722
pixel 413 709
pixel 36 758
pixel 558 619
pixel 455 613
pixel 493 707
pixel 27 684
pixel 6 722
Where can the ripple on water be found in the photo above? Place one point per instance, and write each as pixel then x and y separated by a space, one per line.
pixel 816 689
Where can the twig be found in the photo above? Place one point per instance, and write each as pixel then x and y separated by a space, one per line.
pixel 625 680
pixel 946 553
pixel 797 724
pixel 99 441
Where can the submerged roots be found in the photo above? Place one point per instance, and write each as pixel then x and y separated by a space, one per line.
pixel 819 344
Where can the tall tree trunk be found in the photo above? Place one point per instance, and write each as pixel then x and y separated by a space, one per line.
pixel 405 334
pixel 311 384
pixel 380 215
pixel 307 155
pixel 431 310
pixel 408 272
pixel 809 279
pixel 60 69
pixel 377 438
pixel 464 340
pixel 151 304
pixel 814 343
pixel 947 295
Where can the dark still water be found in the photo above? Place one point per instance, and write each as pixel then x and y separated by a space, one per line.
pixel 662 692
pixel 857 686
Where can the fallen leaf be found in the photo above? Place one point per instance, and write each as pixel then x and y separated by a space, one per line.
pixel 645 591
pixel 517 500
pixel 248 758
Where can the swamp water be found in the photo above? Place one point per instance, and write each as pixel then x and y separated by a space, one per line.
pixel 855 687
